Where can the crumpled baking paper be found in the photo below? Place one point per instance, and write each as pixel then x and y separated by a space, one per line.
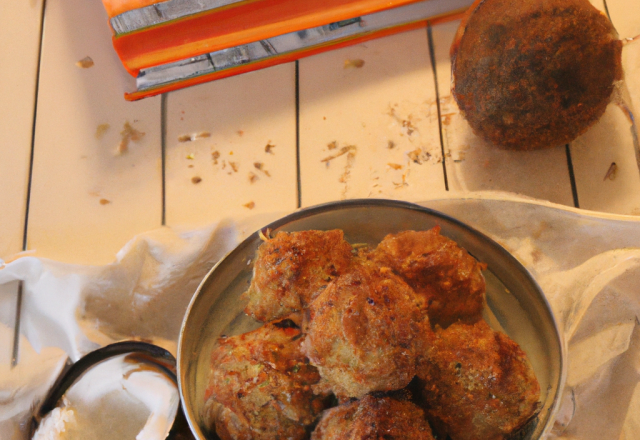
pixel 588 265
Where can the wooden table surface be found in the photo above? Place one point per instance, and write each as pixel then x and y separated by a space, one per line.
pixel 70 190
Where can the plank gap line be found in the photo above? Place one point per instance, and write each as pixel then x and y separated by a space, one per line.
pixel 432 56
pixel 299 182
pixel 572 177
pixel 163 153
pixel 16 330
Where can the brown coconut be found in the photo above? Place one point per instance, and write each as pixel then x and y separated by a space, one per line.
pixel 532 74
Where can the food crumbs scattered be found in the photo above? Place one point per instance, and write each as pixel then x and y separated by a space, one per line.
pixel 85 63
pixel 127 135
pixel 351 158
pixel 194 136
pixel 418 156
pixel 260 167
pixel 343 151
pixel 196 179
pixel 240 132
pixel 407 124
pixel 104 201
pixel 395 166
pixel 269 147
pixel 234 166
pixel 461 157
pixel 611 172
pixel 190 166
pixel 190 156
pixel 391 145
pixel 215 155
pixel 446 118
pixel 324 118
pixel 357 63
pixel 401 184
pixel 253 177
pixel 332 145
pixel 250 205
pixel 101 130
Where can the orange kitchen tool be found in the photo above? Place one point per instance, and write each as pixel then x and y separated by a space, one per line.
pixel 168 45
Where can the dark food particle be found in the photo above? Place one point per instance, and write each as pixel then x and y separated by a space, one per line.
pixel 611 172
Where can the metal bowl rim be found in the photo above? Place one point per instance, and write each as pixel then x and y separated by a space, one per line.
pixel 355 203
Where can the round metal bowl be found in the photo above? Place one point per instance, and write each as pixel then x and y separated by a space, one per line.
pixel 515 303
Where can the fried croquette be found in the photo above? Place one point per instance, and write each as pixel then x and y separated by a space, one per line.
pixel 260 385
pixel 449 279
pixel 533 74
pixel 478 383
pixel 365 332
pixel 292 268
pixel 373 418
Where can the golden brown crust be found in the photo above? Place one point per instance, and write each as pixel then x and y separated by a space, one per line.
pixel 292 268
pixel 260 385
pixel 534 74
pixel 373 418
pixel 365 332
pixel 479 384
pixel 449 279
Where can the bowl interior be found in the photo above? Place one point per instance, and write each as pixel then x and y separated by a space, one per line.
pixel 515 303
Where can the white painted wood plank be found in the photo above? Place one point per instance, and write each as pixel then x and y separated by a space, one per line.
pixel 625 16
pixel 631 67
pixel 384 110
pixel 610 140
pixel 231 122
pixel 87 198
pixel 475 165
pixel 20 30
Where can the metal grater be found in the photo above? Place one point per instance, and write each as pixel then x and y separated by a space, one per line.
pixel 142 35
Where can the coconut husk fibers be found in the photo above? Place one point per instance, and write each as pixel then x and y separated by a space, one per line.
pixel 532 74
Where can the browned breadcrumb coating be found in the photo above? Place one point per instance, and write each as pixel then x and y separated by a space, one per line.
pixel 291 269
pixel 365 332
pixel 479 384
pixel 373 418
pixel 449 279
pixel 533 74
pixel 260 385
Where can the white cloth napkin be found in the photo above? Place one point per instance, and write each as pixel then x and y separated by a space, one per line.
pixel 587 264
